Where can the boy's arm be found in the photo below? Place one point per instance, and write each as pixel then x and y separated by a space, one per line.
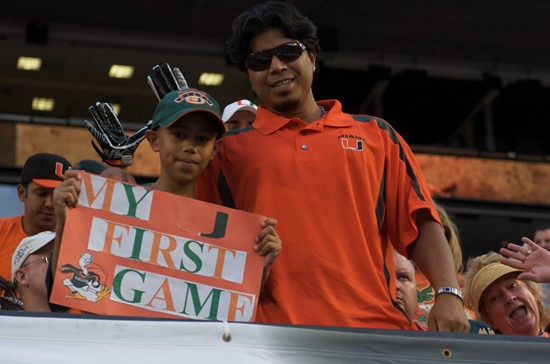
pixel 64 196
pixel 433 256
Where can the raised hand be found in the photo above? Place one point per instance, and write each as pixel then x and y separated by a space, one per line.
pixel 531 258
pixel 165 79
pixel 115 147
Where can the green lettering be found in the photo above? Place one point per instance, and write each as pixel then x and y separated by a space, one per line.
pixel 220 225
pixel 129 189
pixel 191 255
pixel 137 244
pixel 215 294
pixel 117 282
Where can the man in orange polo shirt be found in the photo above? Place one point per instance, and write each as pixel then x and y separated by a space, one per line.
pixel 41 173
pixel 343 187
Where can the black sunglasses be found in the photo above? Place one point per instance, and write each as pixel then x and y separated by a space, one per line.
pixel 288 52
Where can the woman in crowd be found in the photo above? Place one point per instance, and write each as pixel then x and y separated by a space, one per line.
pixel 499 298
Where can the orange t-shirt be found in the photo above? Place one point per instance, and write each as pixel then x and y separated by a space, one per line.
pixel 341 188
pixel 11 234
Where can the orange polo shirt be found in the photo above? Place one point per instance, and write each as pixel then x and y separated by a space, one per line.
pixel 341 188
pixel 11 234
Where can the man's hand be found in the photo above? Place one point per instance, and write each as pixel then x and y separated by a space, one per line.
pixel 165 79
pixel 115 147
pixel 447 314
pixel 268 245
pixel 66 194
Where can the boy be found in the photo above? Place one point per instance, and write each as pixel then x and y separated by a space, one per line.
pixel 185 131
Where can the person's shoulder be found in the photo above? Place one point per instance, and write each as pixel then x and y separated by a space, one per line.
pixel 371 121
pixel 234 139
pixel 478 327
pixel 237 132
pixel 10 220
pixel 380 126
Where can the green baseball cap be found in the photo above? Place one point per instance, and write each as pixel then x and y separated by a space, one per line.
pixel 177 104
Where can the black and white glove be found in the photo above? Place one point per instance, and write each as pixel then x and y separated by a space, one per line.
pixel 115 147
pixel 165 79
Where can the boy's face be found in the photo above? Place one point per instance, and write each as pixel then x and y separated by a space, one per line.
pixel 185 147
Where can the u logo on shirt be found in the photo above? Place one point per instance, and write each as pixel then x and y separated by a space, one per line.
pixel 352 144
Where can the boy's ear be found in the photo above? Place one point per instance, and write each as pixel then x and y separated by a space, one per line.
pixel 215 149
pixel 152 138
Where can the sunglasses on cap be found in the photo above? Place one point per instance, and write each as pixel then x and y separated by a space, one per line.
pixel 288 52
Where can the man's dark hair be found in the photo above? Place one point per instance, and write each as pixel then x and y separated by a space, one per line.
pixel 263 17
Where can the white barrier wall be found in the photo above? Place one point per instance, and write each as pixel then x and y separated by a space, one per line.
pixel 82 340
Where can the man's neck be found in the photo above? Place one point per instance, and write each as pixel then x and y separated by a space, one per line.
pixel 29 228
pixel 32 302
pixel 309 111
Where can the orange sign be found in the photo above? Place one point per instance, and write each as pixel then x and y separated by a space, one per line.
pixel 132 250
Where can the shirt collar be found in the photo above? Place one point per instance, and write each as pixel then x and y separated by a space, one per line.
pixel 268 122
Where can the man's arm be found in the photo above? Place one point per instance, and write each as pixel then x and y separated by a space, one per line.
pixel 433 256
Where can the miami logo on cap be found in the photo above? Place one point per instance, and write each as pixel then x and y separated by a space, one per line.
pixel 59 169
pixel 195 97
pixel 245 103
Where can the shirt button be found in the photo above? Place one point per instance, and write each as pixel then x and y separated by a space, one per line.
pixel 304 147
pixel 303 132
